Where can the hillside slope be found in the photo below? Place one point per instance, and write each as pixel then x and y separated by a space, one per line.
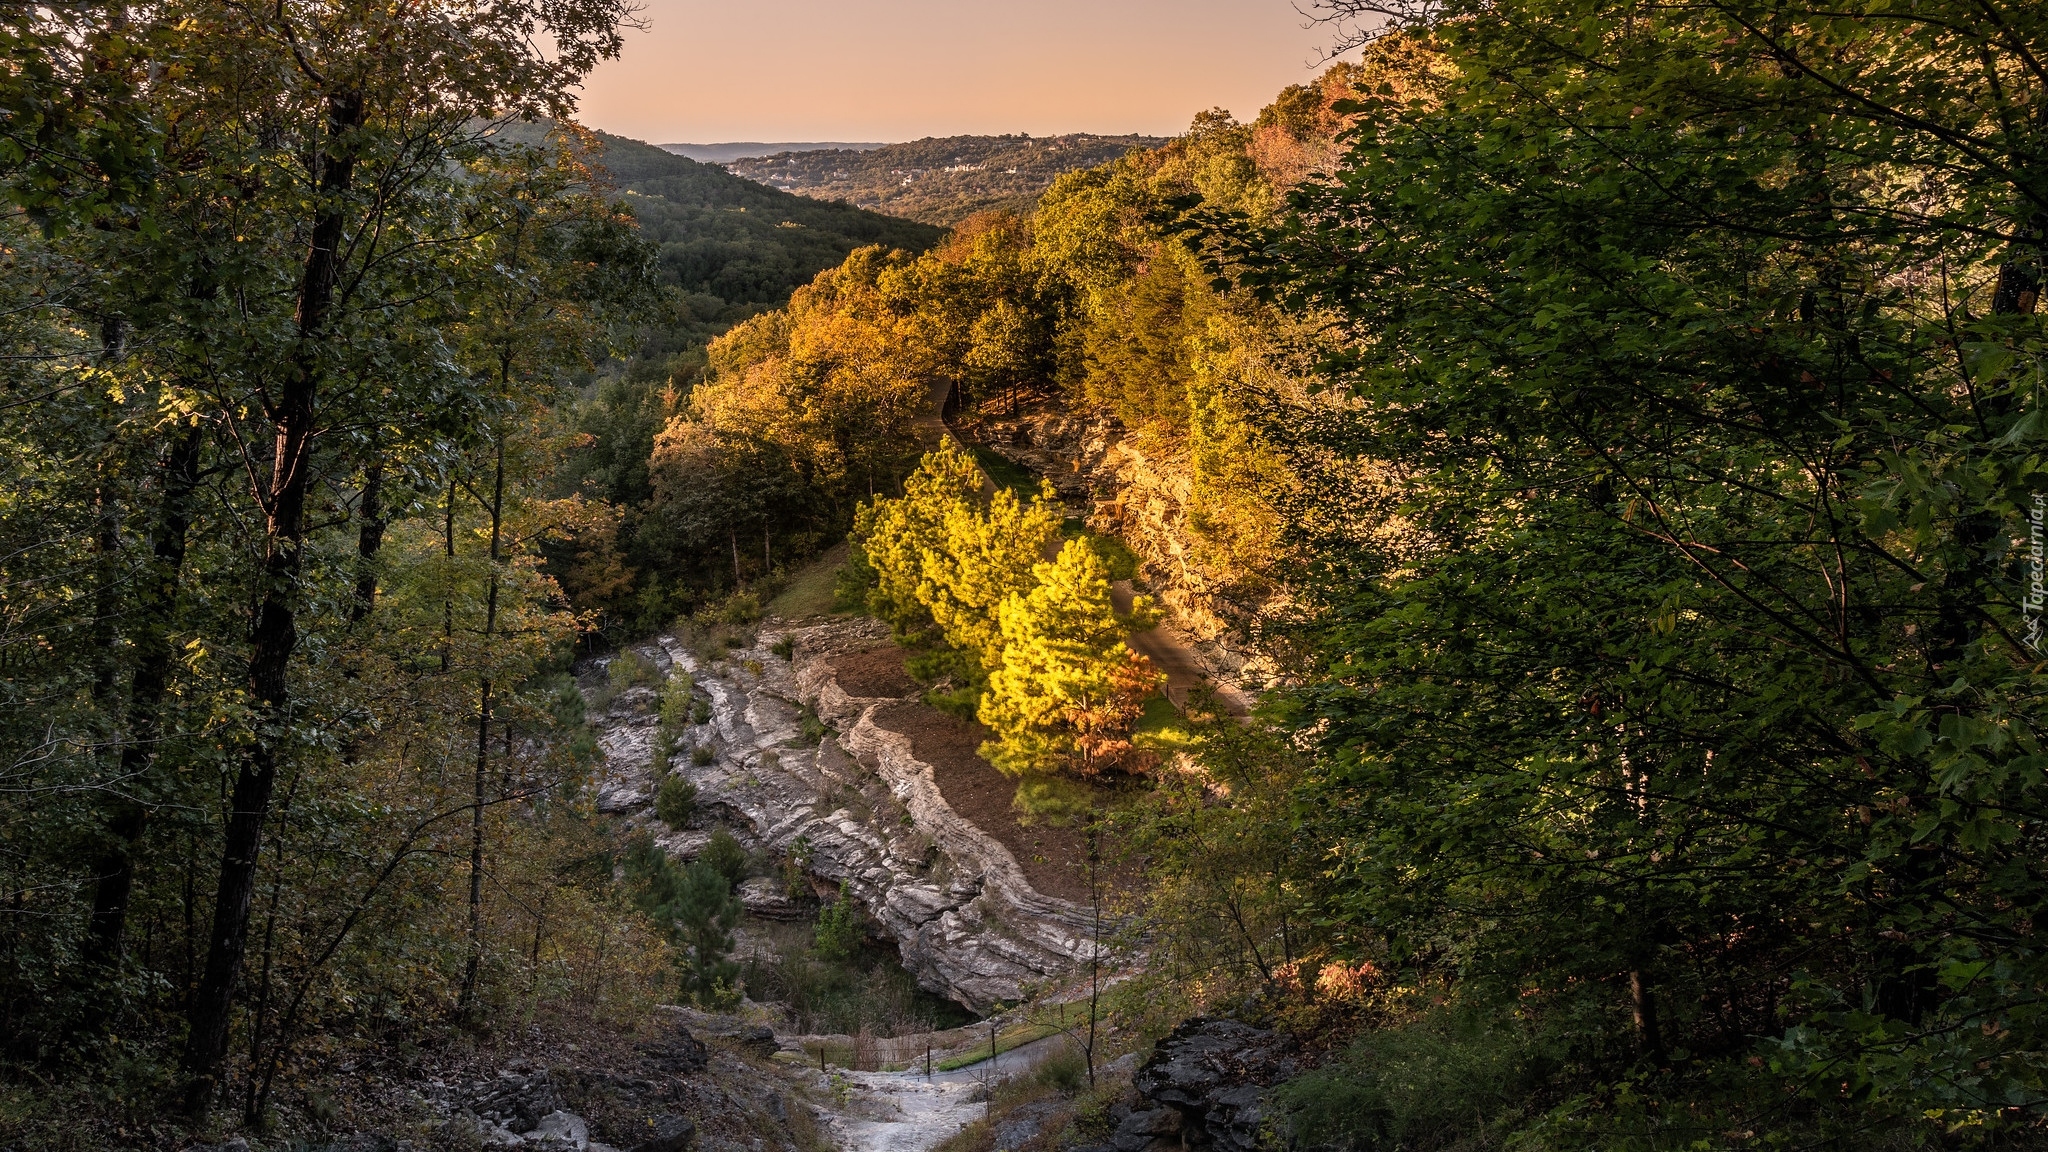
pixel 735 239
pixel 940 180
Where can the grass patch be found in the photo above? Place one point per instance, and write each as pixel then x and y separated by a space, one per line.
pixel 1162 729
pixel 811 590
pixel 1005 472
pixel 1015 1036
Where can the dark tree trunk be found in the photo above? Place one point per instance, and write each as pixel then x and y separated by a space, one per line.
pixel 369 540
pixel 106 539
pixel 1649 1036
pixel 275 631
pixel 155 612
pixel 467 1000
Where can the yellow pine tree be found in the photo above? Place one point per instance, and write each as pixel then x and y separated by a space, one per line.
pixel 985 559
pixel 896 534
pixel 1064 667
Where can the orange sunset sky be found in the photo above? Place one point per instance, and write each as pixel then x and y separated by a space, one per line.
pixel 890 70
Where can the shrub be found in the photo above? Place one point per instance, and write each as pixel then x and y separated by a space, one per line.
pixel 841 928
pixel 785 647
pixel 740 608
pixel 675 802
pixel 1064 1070
pixel 628 669
pixel 793 867
pixel 702 755
pixel 1446 1078
pixel 677 700
pixel 725 855
pixel 700 712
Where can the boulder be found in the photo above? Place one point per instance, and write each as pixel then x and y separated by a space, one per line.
pixel 1213 1074
pixel 560 1132
pixel 1028 1123
pixel 1137 1131
pixel 667 1134
pixel 758 1039
pixel 676 1054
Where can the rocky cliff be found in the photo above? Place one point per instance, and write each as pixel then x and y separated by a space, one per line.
pixel 853 806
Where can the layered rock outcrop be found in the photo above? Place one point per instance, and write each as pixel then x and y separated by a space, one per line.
pixel 856 807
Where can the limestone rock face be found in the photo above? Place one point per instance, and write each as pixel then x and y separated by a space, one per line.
pixel 857 808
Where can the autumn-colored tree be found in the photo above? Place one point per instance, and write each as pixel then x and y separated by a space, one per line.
pixel 1067 689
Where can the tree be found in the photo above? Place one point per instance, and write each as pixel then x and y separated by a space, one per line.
pixel 1700 340
pixel 1066 688
pixel 706 910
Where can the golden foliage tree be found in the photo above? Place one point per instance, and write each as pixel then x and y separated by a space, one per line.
pixel 1067 691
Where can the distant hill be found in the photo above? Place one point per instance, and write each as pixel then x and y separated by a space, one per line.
pixel 938 180
pixel 735 240
pixel 742 149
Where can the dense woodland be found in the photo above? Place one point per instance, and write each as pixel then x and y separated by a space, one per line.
pixel 940 179
pixel 1618 425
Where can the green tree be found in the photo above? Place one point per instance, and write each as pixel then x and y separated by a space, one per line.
pixel 841 928
pixel 1063 661
pixel 1698 692
pixel 706 910
pixel 675 801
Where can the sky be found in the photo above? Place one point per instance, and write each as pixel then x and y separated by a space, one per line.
pixel 706 71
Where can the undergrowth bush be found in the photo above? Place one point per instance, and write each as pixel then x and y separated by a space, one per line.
pixel 725 856
pixel 841 928
pixel 1450 1079
pixel 676 802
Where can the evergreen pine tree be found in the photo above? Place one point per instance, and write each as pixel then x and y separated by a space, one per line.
pixel 1063 666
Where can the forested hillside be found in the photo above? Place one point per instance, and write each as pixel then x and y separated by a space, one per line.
pixel 940 179
pixel 729 248
pixel 1505 591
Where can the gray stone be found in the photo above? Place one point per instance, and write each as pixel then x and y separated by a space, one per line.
pixel 1214 1073
pixel 677 1054
pixel 560 1132
pixel 1025 1124
pixel 759 1039
pixel 767 898
pixel 668 1134
pixel 1137 1130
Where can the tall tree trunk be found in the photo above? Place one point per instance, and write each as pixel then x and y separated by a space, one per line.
pixel 1643 1000
pixel 155 612
pixel 106 540
pixel 275 631
pixel 467 1000
pixel 448 605
pixel 369 540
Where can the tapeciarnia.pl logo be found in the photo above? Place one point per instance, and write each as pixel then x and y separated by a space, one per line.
pixel 2037 594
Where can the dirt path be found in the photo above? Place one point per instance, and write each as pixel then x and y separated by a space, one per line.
pixel 911 1112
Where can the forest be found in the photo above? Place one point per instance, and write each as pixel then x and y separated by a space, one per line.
pixel 942 179
pixel 1590 455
